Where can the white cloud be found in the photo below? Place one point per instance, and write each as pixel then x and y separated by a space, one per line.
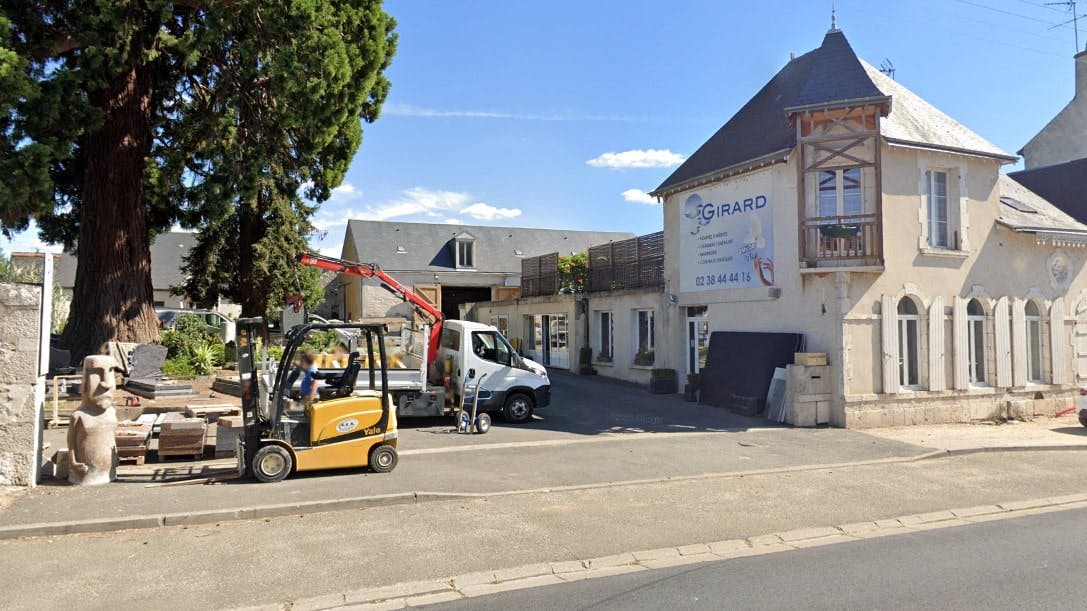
pixel 637 158
pixel 487 212
pixel 346 191
pixel 331 251
pixel 453 221
pixel 637 196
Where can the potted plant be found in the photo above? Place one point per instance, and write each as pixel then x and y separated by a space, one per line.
pixel 663 382
pixel 586 358
pixel 644 358
pixel 690 391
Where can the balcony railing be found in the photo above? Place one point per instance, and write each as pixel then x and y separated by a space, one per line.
pixel 839 241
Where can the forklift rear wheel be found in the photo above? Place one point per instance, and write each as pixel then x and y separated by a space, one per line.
pixel 383 459
pixel 272 463
pixel 518 408
pixel 1083 418
pixel 483 423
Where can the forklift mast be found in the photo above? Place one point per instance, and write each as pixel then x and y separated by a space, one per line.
pixel 371 270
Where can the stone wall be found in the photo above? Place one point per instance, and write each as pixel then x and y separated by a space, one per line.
pixel 950 407
pixel 20 316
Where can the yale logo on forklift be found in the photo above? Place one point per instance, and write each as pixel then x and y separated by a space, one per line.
pixel 347 425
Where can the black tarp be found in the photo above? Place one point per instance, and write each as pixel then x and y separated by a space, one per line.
pixel 740 365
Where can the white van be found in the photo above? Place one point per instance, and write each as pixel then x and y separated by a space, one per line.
pixel 509 383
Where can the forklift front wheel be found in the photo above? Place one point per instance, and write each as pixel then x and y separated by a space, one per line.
pixel 272 463
pixel 383 459
pixel 483 423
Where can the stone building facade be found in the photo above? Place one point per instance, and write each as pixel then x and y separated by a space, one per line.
pixel 21 388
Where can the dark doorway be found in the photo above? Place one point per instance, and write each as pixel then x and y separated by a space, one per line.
pixel 453 296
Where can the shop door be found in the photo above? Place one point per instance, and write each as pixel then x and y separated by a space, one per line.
pixel 698 342
pixel 558 351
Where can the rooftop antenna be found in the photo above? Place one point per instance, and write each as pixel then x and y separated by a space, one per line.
pixel 834 18
pixel 887 67
pixel 1071 5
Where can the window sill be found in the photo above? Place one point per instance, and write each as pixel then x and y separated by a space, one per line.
pixel 945 252
pixel 645 367
pixel 603 363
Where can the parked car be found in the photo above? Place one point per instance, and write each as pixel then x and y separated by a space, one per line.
pixel 216 322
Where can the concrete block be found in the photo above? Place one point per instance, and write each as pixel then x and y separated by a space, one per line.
pixel 317 603
pixel 730 547
pixel 1022 505
pixel 693 550
pixel 567 567
pixel 613 560
pixel 609 571
pixel 764 540
pixel 474 579
pixel 520 572
pixel 821 541
pixel 858 528
pixel 969 512
pixel 399 590
pixel 505 586
pixel 665 563
pixel 432 599
pixel 800 534
pixel 656 554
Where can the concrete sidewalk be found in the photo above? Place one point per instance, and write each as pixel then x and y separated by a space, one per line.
pixel 1064 432
pixel 468 472
pixel 298 558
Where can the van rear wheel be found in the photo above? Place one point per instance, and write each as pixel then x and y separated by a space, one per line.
pixel 518 408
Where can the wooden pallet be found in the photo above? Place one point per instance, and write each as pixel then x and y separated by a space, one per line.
pixel 138 459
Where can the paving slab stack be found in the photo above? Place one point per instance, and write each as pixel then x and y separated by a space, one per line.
pixel 229 428
pixel 181 436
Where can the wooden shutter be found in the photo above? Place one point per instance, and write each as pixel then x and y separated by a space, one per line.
pixel 1058 349
pixel 889 325
pixel 960 350
pixel 1020 366
pixel 937 379
pixel 1003 343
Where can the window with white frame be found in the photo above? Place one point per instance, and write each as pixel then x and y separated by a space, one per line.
pixel 975 326
pixel 909 344
pixel 940 231
pixel 605 325
pixel 502 323
pixel 644 333
pixel 1034 343
pixel 466 253
pixel 840 193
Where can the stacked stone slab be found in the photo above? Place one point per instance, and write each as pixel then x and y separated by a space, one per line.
pixel 20 316
pixel 181 436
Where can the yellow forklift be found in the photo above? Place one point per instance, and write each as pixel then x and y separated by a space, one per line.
pixel 348 426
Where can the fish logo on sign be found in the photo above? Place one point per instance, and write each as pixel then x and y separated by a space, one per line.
pixel 347 426
pixel 692 209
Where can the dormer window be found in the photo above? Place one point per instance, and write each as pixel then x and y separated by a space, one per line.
pixel 465 250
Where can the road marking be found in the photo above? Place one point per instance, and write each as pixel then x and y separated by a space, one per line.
pixel 542 574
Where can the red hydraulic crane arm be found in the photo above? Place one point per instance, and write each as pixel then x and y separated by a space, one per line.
pixel 371 270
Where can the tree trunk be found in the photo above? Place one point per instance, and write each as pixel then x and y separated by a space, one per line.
pixel 253 297
pixel 113 297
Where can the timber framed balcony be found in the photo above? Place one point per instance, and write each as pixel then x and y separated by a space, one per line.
pixel 842 241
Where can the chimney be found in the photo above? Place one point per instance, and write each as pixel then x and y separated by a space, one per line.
pixel 1081 75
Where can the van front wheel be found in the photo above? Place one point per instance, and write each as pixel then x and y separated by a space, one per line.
pixel 518 408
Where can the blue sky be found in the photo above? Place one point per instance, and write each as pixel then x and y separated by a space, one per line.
pixel 562 113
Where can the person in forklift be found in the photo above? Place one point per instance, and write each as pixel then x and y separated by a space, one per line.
pixel 310 375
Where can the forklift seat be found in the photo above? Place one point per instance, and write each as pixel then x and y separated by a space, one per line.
pixel 345 384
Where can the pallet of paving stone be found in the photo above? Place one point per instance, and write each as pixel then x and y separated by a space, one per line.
pixel 211 412
pixel 180 436
pixel 131 440
pixel 133 455
pixel 158 389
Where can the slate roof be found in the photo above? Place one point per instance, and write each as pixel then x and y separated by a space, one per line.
pixel 825 77
pixel 1017 203
pixel 428 247
pixel 1064 184
pixel 166 258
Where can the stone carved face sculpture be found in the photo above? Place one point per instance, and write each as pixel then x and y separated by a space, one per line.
pixel 99 381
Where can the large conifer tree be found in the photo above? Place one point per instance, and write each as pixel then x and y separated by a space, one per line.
pixel 121 118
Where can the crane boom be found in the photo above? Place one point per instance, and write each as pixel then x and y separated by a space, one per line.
pixel 371 270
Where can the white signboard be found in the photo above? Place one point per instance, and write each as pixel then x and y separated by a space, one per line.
pixel 727 235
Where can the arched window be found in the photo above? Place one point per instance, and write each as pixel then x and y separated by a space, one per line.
pixel 909 343
pixel 975 325
pixel 1034 342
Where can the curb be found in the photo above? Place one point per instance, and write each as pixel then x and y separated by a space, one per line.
pixel 48 529
pixel 483 583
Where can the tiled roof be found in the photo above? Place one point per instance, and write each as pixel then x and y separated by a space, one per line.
pixel 824 77
pixel 426 246
pixel 1065 185
pixel 1024 210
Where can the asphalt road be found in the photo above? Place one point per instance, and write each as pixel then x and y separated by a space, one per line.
pixel 1033 562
